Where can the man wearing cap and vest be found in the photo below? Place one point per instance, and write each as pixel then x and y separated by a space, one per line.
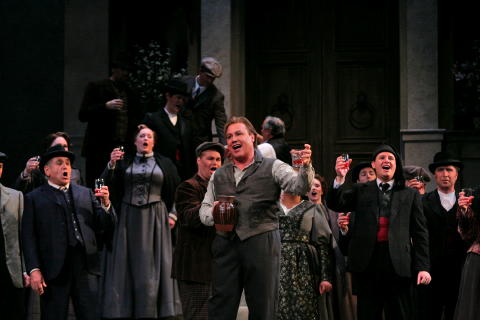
pixel 62 230
pixel 388 240
pixel 447 249
pixel 173 131
pixel 11 261
pixel 192 258
pixel 249 257
pixel 206 102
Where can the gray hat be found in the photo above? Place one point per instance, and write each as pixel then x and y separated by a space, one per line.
pixel 210 146
pixel 212 67
pixel 410 172
pixel 3 157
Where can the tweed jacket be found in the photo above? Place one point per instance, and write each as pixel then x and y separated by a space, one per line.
pixel 204 108
pixel 11 210
pixel 192 257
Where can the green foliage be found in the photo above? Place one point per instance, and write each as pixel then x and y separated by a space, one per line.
pixel 152 68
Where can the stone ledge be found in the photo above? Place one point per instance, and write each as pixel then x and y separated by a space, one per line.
pixel 422 135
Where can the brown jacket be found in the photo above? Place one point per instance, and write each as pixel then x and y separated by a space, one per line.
pixel 192 257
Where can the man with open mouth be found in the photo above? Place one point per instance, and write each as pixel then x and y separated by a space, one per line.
pixel 388 239
pixel 192 258
pixel 173 130
pixel 248 258
pixel 62 228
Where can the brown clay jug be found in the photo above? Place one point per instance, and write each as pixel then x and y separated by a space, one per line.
pixel 225 214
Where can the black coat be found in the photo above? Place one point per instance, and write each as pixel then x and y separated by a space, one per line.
pixel 407 236
pixel 207 106
pixel 171 138
pixel 445 241
pixel 282 149
pixel 44 229
pixel 100 135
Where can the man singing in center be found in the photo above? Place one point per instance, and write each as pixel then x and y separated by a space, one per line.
pixel 249 257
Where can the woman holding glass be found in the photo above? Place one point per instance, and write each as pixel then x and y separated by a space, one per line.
pixel 137 279
pixel 468 215
pixel 343 301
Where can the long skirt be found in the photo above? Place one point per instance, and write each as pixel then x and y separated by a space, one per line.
pixel 138 281
pixel 468 303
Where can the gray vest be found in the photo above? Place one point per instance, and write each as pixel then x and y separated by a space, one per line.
pixel 256 195
pixel 143 182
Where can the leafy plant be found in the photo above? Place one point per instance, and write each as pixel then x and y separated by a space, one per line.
pixel 467 90
pixel 152 68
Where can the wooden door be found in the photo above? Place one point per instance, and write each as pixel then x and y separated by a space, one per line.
pixel 329 69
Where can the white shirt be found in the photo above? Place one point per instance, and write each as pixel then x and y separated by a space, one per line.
pixel 56 186
pixel 390 184
pixel 284 175
pixel 173 116
pixel 267 151
pixel 447 199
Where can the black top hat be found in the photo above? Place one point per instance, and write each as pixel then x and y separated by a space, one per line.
pixel 3 157
pixel 444 158
pixel 176 86
pixel 210 146
pixel 356 170
pixel 55 151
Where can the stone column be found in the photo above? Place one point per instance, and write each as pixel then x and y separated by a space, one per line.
pixel 421 137
pixel 222 38
pixel 86 59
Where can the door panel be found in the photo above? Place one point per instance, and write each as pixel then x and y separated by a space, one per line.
pixel 329 69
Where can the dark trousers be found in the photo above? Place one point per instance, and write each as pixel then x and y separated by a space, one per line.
pixel 252 265
pixel 11 298
pixel 73 281
pixel 381 290
pixel 437 301
pixel 194 297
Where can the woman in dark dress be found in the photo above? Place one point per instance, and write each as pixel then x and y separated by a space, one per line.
pixel 138 281
pixel 305 271
pixel 468 214
pixel 343 301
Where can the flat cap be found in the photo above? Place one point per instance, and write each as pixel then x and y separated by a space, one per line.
pixel 212 67
pixel 3 157
pixel 208 145
pixel 410 172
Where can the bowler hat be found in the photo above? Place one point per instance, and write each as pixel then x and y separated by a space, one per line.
pixel 210 146
pixel 3 157
pixel 385 148
pixel 176 86
pixel 444 158
pixel 53 152
pixel 356 170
